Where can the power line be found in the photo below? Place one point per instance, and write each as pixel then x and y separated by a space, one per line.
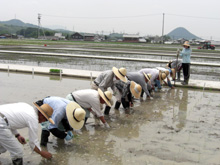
pixel 131 16
pixel 134 16
pixel 192 16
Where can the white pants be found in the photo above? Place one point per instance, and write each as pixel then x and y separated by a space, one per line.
pixel 8 142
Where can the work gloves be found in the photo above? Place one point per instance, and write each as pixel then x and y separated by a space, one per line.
pixel 69 136
pixel 106 125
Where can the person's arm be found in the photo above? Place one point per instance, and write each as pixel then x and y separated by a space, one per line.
pixel 104 122
pixel 44 154
pixel 144 87
pixel 20 138
pixel 169 83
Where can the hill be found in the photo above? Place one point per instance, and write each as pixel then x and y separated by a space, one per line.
pixel 16 22
pixel 181 32
pixel 17 26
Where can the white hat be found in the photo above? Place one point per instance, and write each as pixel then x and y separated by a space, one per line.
pixel 75 115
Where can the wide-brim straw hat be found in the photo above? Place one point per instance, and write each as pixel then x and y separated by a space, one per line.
pixel 106 96
pixel 46 110
pixel 162 76
pixel 135 89
pixel 120 73
pixel 148 76
pixel 186 43
pixel 75 115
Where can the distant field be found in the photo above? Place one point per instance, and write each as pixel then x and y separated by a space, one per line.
pixel 123 45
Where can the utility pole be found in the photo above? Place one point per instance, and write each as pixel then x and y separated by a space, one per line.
pixel 163 28
pixel 39 26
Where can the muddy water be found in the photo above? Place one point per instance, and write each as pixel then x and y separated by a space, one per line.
pixel 178 127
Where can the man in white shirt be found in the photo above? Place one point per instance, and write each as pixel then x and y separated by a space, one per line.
pixel 16 116
pixel 90 100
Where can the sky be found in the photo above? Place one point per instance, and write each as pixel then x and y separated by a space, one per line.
pixel 143 17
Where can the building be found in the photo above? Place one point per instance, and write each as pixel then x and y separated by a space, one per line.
pixel 77 37
pixel 130 38
pixel 89 37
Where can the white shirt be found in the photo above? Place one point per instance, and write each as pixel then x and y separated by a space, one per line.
pixel 21 115
pixel 88 98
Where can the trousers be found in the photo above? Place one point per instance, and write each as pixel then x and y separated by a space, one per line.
pixel 9 143
pixel 186 71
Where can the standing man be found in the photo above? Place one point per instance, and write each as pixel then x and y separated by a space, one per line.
pixel 16 116
pixel 108 79
pixel 142 79
pixel 65 113
pixel 91 101
pixel 186 55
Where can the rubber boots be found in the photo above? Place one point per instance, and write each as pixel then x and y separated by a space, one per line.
pixel 185 82
pixel 117 105
pixel 178 76
pixel 18 161
pixel 107 110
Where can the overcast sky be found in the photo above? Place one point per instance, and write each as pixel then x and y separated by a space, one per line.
pixel 200 17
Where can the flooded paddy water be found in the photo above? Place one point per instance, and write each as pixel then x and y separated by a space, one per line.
pixel 179 126
pixel 197 72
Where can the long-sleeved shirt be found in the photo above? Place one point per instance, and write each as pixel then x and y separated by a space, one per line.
pixel 178 63
pixel 123 87
pixel 168 77
pixel 89 98
pixel 185 54
pixel 22 115
pixel 154 74
pixel 105 80
pixel 140 79
pixel 59 109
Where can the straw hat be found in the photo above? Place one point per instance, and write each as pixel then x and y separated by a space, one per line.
pixel 75 115
pixel 135 89
pixel 186 43
pixel 120 73
pixel 46 111
pixel 162 76
pixel 167 72
pixel 148 76
pixel 106 96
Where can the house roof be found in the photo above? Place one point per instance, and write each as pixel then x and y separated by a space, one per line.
pixel 130 36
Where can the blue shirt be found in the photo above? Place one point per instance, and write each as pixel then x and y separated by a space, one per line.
pixel 59 109
pixel 185 54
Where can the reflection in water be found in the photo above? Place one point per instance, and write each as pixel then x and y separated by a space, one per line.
pixel 150 133
pixel 182 109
